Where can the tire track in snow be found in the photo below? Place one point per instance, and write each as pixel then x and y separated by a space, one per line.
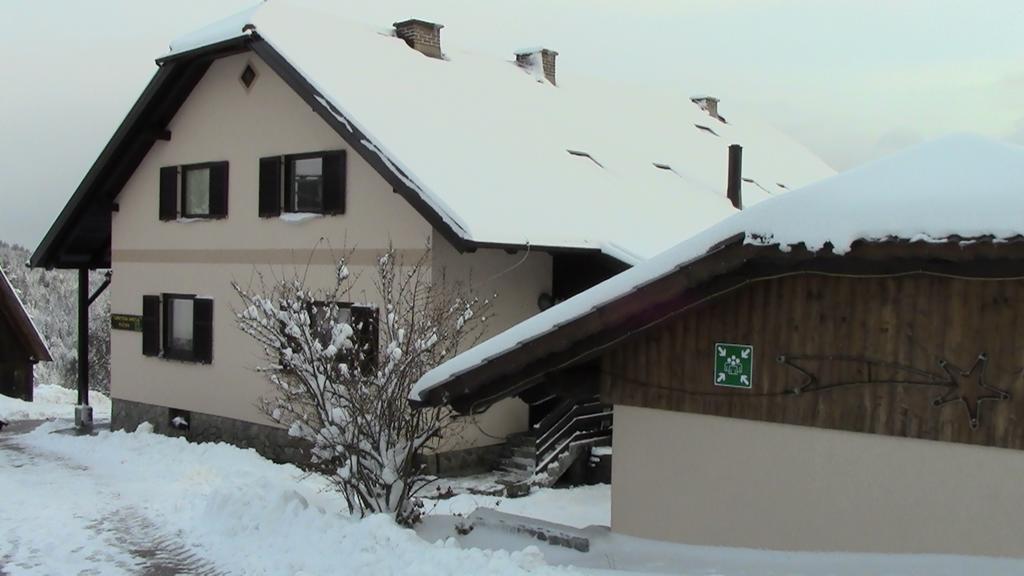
pixel 9 557
pixel 155 553
pixel 162 555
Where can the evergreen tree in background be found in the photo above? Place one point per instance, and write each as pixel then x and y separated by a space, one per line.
pixel 51 298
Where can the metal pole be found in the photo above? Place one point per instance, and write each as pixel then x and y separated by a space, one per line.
pixel 734 190
pixel 83 336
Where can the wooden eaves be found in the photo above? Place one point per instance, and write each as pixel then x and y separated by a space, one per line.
pixel 728 266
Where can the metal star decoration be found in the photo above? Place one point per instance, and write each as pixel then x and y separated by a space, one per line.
pixel 969 387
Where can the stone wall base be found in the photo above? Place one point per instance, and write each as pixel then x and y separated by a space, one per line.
pixel 464 462
pixel 271 442
pixel 275 443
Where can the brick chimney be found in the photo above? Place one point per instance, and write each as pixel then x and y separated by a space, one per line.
pixel 422 36
pixel 538 60
pixel 708 104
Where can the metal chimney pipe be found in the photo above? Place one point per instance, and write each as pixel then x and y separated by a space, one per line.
pixel 734 190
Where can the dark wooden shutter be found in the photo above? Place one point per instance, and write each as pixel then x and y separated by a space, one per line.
pixel 165 327
pixel 202 330
pixel 219 190
pixel 364 324
pixel 150 325
pixel 334 182
pixel 270 187
pixel 169 193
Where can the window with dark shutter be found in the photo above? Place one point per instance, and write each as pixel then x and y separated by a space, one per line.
pixel 334 182
pixel 219 190
pixel 314 183
pixel 270 186
pixel 169 193
pixel 204 190
pixel 151 325
pixel 203 330
pixel 324 316
pixel 178 326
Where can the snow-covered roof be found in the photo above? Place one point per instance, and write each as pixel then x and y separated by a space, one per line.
pixel 14 310
pixel 487 146
pixel 959 187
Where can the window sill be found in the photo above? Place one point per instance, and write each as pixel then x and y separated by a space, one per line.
pixel 184 359
pixel 193 219
pixel 296 217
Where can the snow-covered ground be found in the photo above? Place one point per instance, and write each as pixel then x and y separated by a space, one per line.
pixel 50 401
pixel 121 503
pixel 141 503
pixel 580 507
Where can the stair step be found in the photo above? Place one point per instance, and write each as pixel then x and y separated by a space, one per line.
pixel 517 466
pixel 519 452
pixel 524 462
pixel 519 472
pixel 520 439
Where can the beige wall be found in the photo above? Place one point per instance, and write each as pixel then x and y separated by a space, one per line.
pixel 223 121
pixel 729 482
pixel 516 280
pixel 229 386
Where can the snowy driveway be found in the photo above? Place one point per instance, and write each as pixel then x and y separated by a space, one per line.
pixel 71 522
pixel 146 504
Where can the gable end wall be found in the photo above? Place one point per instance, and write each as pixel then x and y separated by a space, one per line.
pixel 223 121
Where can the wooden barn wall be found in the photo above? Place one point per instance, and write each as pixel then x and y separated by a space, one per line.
pixel 869 348
pixel 15 367
pixel 11 347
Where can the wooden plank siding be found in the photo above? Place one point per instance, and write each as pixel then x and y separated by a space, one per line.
pixel 883 336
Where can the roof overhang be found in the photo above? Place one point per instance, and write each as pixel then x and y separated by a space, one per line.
pixel 80 237
pixel 12 309
pixel 728 266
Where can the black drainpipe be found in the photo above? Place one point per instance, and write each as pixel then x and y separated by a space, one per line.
pixel 734 192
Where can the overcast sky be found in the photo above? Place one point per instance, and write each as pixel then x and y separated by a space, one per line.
pixel 851 79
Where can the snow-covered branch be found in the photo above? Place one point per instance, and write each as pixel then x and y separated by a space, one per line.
pixel 342 372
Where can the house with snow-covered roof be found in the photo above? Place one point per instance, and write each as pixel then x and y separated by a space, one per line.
pixel 838 368
pixel 21 345
pixel 282 135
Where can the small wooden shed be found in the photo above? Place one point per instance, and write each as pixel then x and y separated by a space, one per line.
pixel 21 346
pixel 841 368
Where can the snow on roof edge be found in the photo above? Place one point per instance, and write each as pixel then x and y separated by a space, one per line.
pixel 32 322
pixel 227 28
pixel 973 155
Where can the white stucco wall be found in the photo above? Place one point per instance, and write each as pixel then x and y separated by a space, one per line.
pixel 730 482
pixel 223 121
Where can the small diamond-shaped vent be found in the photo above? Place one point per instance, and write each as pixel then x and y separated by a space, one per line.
pixel 248 76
